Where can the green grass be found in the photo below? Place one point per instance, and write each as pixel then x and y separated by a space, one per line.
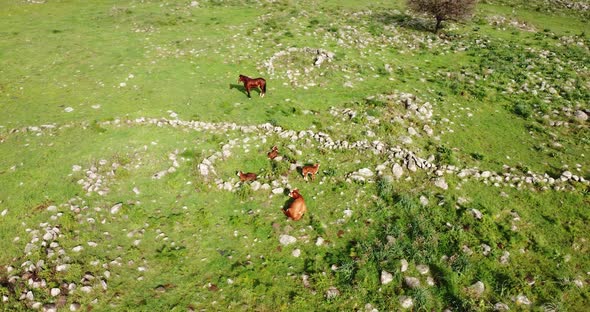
pixel 94 85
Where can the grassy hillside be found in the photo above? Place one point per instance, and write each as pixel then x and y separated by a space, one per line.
pixel 454 167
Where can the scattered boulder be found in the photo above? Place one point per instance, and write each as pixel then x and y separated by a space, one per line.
pixel 441 183
pixel 412 282
pixel 115 209
pixel 404 264
pixel 406 302
pixel 332 293
pixel 397 170
pixel 477 289
pixel 422 269
pixel 477 214
pixel 386 277
pixel 287 239
pixel 580 116
pixel 522 300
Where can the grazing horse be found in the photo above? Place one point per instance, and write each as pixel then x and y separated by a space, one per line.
pixel 297 208
pixel 250 83
pixel 273 153
pixel 307 170
pixel 246 176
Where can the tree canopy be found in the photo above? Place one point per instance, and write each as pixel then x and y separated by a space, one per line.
pixel 443 10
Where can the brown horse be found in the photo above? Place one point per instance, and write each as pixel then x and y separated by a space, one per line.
pixel 250 83
pixel 297 208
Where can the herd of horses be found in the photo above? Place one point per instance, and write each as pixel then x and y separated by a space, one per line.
pixel 296 208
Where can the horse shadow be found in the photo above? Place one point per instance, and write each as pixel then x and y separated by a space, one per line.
pixel 289 201
pixel 242 89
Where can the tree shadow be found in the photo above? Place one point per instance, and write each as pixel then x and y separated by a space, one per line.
pixel 405 21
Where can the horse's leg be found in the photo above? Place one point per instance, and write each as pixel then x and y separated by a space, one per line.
pixel 248 91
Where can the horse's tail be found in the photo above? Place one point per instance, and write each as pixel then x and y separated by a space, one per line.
pixel 264 86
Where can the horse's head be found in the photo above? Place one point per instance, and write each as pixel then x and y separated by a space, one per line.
pixel 241 78
pixel 295 194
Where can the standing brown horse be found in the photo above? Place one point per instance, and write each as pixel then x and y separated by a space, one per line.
pixel 250 83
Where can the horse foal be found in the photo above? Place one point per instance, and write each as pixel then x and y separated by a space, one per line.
pixel 307 170
pixel 246 176
pixel 273 153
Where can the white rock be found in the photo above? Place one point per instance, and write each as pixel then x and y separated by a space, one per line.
pixel 522 300
pixel 397 170
pixel 422 269
pixel 61 268
pixel 404 264
pixel 86 289
pixel 501 307
pixel 580 115
pixel 76 168
pixel 440 182
pixel 204 170
pixel 74 307
pixel 477 289
pixel 77 248
pixel 485 249
pixel 278 190
pixel 287 239
pixel 406 302
pixel 430 281
pixel 406 140
pixel 296 253
pixel 55 291
pixel 4 212
pixel 386 277
pixel 423 200
pixel 47 236
pixel 68 109
pixel 412 282
pixel 255 185
pixel 477 214
pixel 115 209
pixel 319 241
pixel 365 172
pixel 505 257
pixel 332 292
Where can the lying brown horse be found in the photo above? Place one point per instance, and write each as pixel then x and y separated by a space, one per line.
pixel 250 83
pixel 297 208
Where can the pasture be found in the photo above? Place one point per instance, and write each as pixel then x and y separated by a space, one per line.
pixel 454 167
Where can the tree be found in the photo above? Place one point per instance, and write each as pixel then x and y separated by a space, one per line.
pixel 443 10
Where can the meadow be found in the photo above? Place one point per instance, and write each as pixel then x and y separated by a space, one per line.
pixel 454 166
